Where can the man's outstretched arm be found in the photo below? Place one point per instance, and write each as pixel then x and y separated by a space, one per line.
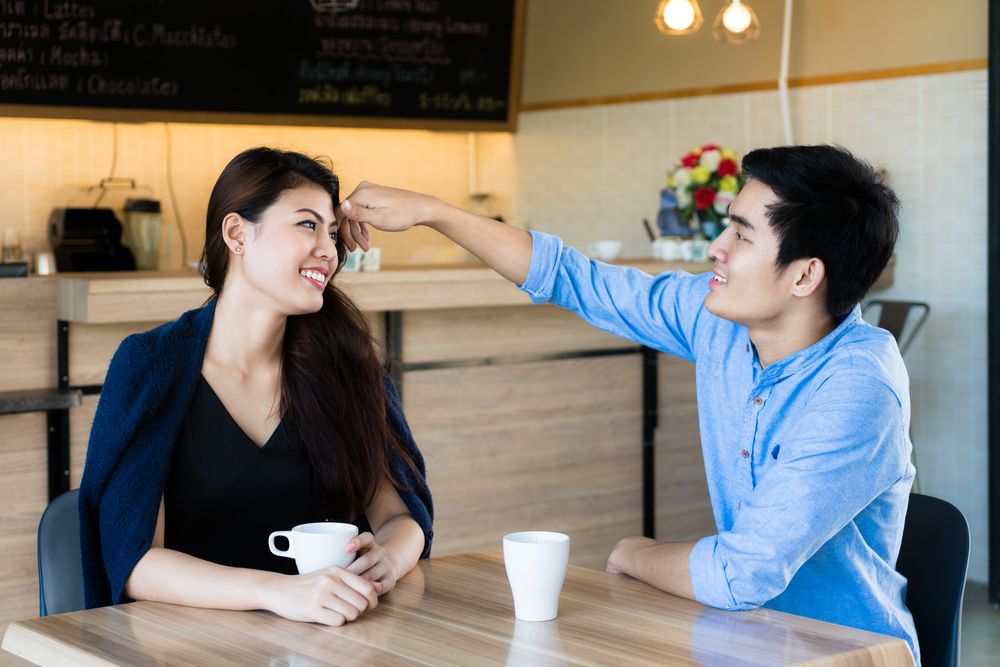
pixel 504 248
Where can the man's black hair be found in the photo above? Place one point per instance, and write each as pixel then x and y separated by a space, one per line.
pixel 832 206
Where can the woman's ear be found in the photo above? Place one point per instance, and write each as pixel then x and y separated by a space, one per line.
pixel 232 232
pixel 810 275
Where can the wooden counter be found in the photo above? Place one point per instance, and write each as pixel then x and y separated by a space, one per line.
pixel 141 296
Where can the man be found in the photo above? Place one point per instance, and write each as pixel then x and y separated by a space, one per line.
pixel 804 409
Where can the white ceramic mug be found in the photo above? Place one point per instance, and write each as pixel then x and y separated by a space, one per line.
pixel 668 250
pixel 315 546
pixel 606 250
pixel 536 566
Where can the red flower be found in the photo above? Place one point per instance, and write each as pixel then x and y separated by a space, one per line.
pixel 704 197
pixel 690 160
pixel 709 147
pixel 728 167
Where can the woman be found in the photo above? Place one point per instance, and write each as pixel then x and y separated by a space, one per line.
pixel 253 414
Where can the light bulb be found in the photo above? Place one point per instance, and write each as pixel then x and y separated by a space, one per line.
pixel 678 14
pixel 736 17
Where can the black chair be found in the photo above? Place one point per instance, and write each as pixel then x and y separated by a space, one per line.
pixel 903 319
pixel 60 568
pixel 934 558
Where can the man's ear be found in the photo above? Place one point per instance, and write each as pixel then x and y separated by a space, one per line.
pixel 809 276
pixel 232 231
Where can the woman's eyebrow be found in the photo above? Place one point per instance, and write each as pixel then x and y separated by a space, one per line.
pixel 309 210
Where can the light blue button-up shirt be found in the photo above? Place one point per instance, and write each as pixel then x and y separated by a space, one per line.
pixel 808 459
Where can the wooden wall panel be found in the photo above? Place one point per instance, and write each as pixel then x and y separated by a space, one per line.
pixel 27 333
pixel 474 333
pixel 23 496
pixel 80 420
pixel 376 321
pixel 91 347
pixel 683 508
pixel 506 450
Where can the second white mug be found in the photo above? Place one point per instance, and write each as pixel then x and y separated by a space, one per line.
pixel 315 546
pixel 536 566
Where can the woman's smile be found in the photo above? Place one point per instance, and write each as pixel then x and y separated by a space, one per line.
pixel 315 276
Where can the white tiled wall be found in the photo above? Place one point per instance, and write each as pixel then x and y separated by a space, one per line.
pixel 590 173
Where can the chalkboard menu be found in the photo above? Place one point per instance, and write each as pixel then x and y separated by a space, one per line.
pixel 415 60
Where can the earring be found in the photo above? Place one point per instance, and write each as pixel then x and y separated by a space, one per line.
pixel 238 249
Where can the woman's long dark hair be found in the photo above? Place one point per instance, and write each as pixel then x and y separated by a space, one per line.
pixel 332 391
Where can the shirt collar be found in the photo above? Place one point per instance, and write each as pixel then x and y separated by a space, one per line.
pixel 805 357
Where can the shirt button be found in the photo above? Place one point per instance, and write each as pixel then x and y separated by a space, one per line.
pixel 745 454
pixel 757 400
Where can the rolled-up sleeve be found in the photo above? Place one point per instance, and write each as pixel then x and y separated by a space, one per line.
pixel 850 449
pixel 661 312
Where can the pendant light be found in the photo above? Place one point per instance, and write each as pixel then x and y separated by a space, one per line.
pixel 678 17
pixel 736 23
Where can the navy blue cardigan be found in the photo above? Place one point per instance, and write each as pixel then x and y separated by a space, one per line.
pixel 146 394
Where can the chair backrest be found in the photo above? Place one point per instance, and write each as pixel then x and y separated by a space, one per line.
pixel 60 567
pixel 903 319
pixel 934 558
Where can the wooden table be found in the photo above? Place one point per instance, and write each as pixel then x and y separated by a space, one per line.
pixel 457 610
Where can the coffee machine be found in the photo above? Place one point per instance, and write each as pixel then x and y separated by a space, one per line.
pixel 88 239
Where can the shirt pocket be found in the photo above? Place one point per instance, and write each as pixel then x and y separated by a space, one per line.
pixel 767 454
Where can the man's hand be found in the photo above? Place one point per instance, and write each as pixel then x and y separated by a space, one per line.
pixel 623 557
pixel 386 209
pixel 664 565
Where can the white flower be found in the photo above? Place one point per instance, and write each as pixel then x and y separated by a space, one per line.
pixel 722 201
pixel 683 199
pixel 710 160
pixel 682 178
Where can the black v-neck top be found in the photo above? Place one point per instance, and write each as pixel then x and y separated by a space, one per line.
pixel 225 495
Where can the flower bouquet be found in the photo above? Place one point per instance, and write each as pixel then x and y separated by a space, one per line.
pixel 704 183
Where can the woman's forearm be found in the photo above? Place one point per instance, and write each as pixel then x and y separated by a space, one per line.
pixel 403 541
pixel 166 575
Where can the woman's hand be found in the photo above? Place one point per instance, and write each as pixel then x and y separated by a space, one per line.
pixel 332 596
pixel 373 563
pixel 384 208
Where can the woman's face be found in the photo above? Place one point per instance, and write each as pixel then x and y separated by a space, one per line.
pixel 290 253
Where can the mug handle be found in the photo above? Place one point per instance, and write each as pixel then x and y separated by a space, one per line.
pixel 287 534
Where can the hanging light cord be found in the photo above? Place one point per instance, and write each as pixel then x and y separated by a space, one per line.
pixel 786 39
pixel 173 196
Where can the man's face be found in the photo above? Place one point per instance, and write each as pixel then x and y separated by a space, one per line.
pixel 746 287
